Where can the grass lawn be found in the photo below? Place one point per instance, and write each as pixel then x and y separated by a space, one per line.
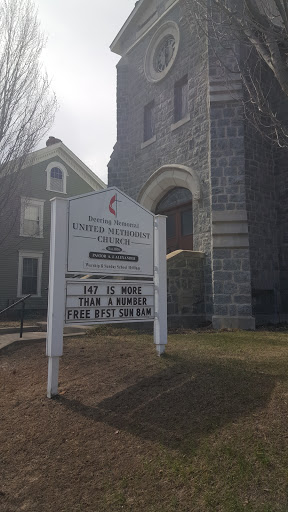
pixel 10 323
pixel 204 428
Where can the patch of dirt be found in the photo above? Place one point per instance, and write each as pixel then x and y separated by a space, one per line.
pixel 197 430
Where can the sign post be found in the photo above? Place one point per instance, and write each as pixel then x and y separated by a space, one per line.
pixel 109 234
pixel 56 291
pixel 160 280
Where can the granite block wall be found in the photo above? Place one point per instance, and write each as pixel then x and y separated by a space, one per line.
pixel 185 287
pixel 261 201
pixel 132 164
pixel 281 185
pixel 231 277
pixel 241 218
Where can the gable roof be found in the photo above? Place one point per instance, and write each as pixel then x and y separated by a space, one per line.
pixel 68 158
pixel 115 45
pixel 151 7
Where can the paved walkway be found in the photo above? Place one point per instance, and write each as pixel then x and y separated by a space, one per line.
pixel 8 339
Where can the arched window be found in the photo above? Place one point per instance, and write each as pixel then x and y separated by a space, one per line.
pixel 56 177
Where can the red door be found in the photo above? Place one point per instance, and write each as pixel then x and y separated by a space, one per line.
pixel 179 227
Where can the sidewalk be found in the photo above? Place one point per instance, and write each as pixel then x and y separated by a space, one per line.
pixel 8 339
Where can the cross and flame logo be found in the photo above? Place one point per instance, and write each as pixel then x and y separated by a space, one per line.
pixel 112 201
pixel 113 205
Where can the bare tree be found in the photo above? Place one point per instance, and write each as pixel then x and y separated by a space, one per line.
pixel 27 107
pixel 260 29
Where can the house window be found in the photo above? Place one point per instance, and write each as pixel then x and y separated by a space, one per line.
pixel 29 273
pixel 181 99
pixel 31 222
pixel 149 121
pixel 56 177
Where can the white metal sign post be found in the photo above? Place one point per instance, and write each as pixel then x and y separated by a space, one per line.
pixel 109 234
pixel 160 281
pixel 56 292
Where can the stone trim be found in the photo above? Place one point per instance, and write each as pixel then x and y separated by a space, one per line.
pixel 230 229
pixel 192 254
pixel 229 89
pixel 149 22
pixel 166 178
pixel 229 216
pixel 168 3
pixel 232 240
pixel 179 123
pixel 148 142
pixel 115 47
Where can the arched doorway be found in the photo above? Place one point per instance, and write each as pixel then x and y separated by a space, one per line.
pixel 170 191
pixel 177 206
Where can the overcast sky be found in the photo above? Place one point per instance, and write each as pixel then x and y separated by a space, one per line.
pixel 83 73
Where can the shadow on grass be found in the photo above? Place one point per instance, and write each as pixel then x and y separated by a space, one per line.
pixel 184 403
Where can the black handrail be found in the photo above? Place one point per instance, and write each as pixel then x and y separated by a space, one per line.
pixel 22 310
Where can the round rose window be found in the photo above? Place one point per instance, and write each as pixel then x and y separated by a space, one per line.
pixel 164 54
pixel 161 52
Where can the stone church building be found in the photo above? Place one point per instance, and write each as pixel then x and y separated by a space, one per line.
pixel 186 150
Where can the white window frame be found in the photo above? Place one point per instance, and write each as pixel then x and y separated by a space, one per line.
pixel 65 174
pixel 29 254
pixel 32 201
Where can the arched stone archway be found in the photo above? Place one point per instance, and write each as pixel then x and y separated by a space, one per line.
pixel 187 293
pixel 166 178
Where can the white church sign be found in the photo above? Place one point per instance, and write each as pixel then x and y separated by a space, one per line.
pixel 108 234
pixel 97 301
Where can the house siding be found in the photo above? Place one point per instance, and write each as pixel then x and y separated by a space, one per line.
pixel 34 186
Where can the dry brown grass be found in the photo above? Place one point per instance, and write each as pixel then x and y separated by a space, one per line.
pixel 9 323
pixel 202 429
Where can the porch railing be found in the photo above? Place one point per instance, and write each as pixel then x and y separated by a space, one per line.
pixel 22 310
